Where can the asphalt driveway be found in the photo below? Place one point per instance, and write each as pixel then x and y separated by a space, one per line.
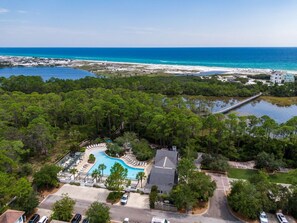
pixel 218 203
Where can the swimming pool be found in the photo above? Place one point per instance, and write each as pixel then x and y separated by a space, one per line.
pixel 101 157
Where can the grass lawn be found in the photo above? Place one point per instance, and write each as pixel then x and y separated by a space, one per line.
pixel 246 174
pixel 282 101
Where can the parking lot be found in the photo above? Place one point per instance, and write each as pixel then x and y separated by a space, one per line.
pixel 83 193
pixel 91 194
pixel 136 200
pixel 272 218
pixel 137 207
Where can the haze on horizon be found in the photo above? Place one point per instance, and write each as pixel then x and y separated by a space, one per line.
pixel 148 23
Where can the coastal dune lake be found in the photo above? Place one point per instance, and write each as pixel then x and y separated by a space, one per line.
pixel 46 72
pixel 258 107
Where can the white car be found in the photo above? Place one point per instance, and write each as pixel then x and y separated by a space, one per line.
pixel 44 219
pixel 281 218
pixel 124 199
pixel 159 220
pixel 263 217
pixel 126 220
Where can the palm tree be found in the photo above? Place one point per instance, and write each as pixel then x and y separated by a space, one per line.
pixel 96 174
pixel 73 171
pixel 101 168
pixel 140 177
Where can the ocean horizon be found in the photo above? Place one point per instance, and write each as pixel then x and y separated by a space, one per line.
pixel 275 58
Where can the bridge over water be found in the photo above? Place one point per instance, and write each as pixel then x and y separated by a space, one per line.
pixel 225 110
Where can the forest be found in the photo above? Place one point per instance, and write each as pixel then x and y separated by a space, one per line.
pixel 166 85
pixel 40 119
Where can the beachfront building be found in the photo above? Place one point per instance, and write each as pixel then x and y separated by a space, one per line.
pixel 163 173
pixel 276 77
pixel 280 77
pixel 289 78
pixel 12 216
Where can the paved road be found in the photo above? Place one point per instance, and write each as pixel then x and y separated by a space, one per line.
pixel 136 215
pixel 218 203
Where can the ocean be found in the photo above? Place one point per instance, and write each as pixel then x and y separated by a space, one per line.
pixel 254 58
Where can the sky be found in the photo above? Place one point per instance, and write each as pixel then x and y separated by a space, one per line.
pixel 148 23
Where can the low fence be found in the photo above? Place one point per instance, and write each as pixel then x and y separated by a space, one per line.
pixel 214 171
pixel 165 207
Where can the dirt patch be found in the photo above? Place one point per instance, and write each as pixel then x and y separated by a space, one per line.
pixel 200 208
pixel 44 193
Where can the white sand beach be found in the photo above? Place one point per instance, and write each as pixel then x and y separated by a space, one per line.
pixel 139 68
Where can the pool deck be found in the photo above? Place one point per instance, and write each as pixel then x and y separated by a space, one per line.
pixel 84 167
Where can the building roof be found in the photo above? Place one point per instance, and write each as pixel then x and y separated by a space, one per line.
pixel 163 178
pixel 11 216
pixel 166 159
pixel 163 173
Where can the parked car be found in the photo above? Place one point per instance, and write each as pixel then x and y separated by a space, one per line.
pixel 124 199
pixel 44 219
pixel 34 219
pixel 263 217
pixel 126 220
pixel 76 218
pixel 85 220
pixel 159 220
pixel 281 218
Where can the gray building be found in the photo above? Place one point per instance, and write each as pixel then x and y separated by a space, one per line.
pixel 163 173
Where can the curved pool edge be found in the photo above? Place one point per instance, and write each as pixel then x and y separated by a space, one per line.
pixel 143 168
pixel 119 160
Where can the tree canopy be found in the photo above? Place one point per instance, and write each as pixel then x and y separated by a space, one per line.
pixel 98 213
pixel 62 209
pixel 258 194
pixel 117 177
pixel 47 177
pixel 193 187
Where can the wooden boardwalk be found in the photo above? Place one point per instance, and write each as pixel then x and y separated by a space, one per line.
pixel 225 110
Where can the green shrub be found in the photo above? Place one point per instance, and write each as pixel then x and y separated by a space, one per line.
pixel 47 177
pixel 153 196
pixel 98 140
pixel 63 208
pixel 142 150
pixel 25 170
pixel 74 148
pixel 75 183
pixel 114 197
pixel 128 183
pixel 114 150
pixel 216 163
pixel 91 158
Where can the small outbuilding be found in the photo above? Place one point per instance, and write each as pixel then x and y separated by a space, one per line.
pixel 12 216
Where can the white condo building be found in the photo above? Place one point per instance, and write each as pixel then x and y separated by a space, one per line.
pixel 280 77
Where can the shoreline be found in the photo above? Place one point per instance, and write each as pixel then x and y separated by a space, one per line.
pixel 115 66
